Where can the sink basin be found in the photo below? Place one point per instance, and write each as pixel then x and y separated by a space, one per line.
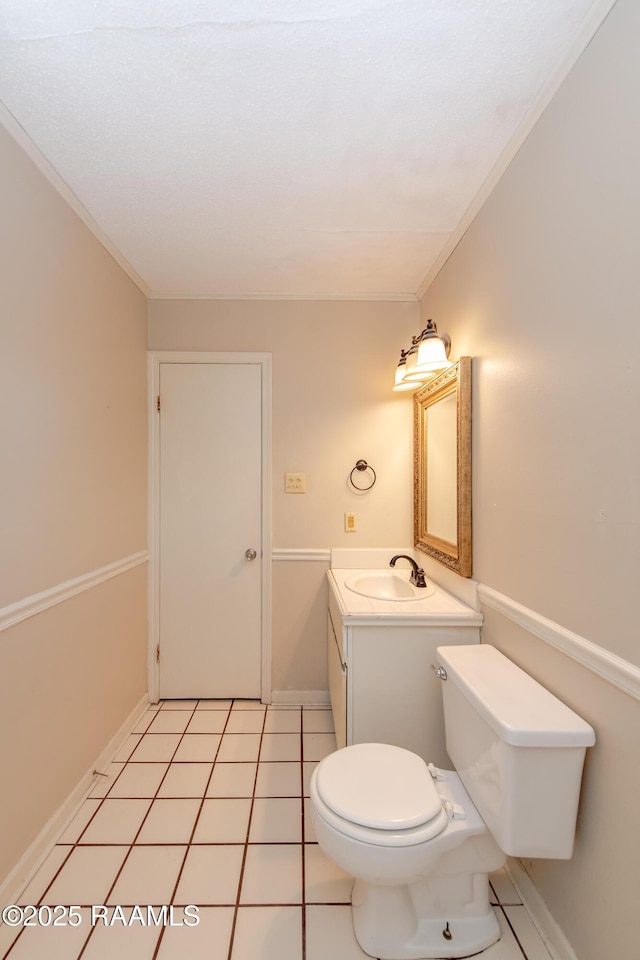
pixel 386 586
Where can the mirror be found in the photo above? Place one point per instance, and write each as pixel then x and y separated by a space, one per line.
pixel 442 457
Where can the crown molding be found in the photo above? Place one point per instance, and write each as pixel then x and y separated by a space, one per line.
pixel 371 297
pixel 590 26
pixel 36 156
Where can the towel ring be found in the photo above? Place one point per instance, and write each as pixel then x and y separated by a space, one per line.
pixel 362 465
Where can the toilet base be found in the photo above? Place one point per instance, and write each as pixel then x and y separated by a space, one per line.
pixel 438 919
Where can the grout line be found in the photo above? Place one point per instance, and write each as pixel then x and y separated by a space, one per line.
pixel 246 843
pixel 304 890
pixel 205 843
pixel 74 846
pixel 195 823
pixel 137 834
pixel 517 939
pixel 173 764
pixel 235 906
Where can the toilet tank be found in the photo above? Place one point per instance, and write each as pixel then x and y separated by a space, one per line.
pixel 518 750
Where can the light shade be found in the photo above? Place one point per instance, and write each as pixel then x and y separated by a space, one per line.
pixel 431 354
pixel 402 383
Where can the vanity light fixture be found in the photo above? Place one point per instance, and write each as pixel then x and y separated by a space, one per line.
pixel 427 356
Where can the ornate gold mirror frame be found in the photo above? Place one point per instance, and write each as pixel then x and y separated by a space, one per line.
pixel 442 458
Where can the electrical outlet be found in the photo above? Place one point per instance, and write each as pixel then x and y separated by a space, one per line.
pixel 295 483
pixel 350 522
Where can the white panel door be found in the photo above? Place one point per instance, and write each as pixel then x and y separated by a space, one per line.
pixel 210 489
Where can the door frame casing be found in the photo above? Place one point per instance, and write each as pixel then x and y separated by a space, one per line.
pixel 156 358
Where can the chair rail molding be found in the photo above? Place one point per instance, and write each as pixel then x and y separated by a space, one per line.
pixel 306 554
pixel 38 602
pixel 617 671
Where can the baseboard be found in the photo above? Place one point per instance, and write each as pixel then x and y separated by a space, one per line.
pixel 15 882
pixel 305 698
pixel 544 921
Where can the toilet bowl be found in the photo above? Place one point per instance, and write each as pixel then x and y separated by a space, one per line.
pixel 380 813
pixel 420 842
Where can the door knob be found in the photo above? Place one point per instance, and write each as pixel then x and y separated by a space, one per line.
pixel 250 554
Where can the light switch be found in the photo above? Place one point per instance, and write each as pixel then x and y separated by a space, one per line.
pixel 350 522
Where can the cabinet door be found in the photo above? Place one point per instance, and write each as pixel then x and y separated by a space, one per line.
pixel 337 671
pixel 396 697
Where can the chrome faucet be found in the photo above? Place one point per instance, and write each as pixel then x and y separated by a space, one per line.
pixel 417 573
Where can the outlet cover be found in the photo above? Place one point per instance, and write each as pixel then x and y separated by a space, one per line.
pixel 295 483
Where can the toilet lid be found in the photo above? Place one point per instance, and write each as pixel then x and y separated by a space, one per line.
pixel 378 785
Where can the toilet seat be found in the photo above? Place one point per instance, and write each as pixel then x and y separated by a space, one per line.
pixel 380 794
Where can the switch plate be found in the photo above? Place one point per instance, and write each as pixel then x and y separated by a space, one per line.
pixel 295 483
pixel 350 522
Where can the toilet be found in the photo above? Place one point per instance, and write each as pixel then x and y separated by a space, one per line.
pixel 421 841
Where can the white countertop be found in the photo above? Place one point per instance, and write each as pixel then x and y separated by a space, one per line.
pixel 440 608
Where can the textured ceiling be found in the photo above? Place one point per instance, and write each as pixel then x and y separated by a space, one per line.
pixel 279 147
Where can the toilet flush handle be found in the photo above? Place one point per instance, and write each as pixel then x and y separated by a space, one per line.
pixel 440 672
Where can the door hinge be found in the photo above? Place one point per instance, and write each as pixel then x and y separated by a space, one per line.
pixel 158 654
pixel 158 402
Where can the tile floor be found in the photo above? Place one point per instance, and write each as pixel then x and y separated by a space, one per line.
pixel 206 804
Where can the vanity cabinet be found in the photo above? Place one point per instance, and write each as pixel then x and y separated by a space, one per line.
pixel 381 683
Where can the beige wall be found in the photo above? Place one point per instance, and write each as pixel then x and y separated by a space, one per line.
pixel 73 494
pixel 594 895
pixel 333 366
pixel 543 293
